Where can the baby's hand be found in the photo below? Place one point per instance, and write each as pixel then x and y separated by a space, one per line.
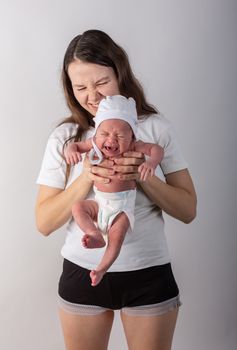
pixel 146 169
pixel 71 154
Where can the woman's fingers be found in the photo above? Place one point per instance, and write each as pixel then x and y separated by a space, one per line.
pixel 128 161
pixel 107 163
pixel 98 173
pixel 132 154
pixel 125 177
pixel 99 179
pixel 104 172
pixel 126 168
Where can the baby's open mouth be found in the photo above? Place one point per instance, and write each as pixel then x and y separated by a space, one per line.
pixel 111 148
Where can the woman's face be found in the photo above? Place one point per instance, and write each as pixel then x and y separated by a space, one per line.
pixel 91 83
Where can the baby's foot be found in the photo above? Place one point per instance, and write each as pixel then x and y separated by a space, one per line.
pixel 94 240
pixel 96 277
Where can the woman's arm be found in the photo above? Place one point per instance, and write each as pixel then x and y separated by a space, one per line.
pixel 176 197
pixel 53 206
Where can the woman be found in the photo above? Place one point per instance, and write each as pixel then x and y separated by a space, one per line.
pixel 140 282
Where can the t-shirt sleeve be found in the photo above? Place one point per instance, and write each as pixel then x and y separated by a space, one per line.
pixel 53 168
pixel 173 158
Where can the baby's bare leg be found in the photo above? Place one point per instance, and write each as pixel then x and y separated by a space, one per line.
pixel 85 213
pixel 116 237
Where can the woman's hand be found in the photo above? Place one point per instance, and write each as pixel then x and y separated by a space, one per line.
pixel 103 172
pixel 100 173
pixel 86 170
pixel 127 166
pixel 122 168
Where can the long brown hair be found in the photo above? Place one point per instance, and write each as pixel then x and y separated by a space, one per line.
pixel 95 46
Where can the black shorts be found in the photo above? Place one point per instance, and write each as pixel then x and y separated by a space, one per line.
pixel 118 290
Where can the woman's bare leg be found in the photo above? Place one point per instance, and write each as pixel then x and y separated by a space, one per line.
pixel 85 214
pixel 116 237
pixel 86 332
pixel 150 332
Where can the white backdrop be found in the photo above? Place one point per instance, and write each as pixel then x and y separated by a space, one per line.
pixel 185 53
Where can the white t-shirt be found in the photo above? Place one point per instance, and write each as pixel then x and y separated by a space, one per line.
pixel 146 245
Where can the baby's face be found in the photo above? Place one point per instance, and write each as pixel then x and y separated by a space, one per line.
pixel 113 137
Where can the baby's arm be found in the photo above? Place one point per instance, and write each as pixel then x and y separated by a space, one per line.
pixel 72 151
pixel 155 153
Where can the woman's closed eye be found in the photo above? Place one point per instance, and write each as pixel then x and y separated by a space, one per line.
pixel 103 83
pixel 84 87
pixel 81 88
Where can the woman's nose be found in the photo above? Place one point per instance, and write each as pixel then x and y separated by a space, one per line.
pixel 93 96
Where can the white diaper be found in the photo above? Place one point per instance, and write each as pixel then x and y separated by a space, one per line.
pixel 111 204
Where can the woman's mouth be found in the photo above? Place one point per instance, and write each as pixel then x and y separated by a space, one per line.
pixel 94 108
